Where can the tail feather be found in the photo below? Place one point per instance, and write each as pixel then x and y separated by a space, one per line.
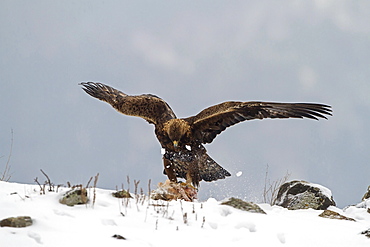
pixel 209 170
pixel 198 166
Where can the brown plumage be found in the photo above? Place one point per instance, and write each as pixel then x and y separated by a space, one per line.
pixel 183 139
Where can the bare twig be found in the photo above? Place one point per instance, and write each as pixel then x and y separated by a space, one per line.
pixel 136 184
pixel 94 192
pixel 265 190
pixel 142 196
pixel 58 186
pixel 42 191
pixel 6 176
pixel 184 215
pixel 88 182
pixel 185 218
pixel 149 189
pixel 270 190
pixel 51 186
pixel 128 183
pixel 137 196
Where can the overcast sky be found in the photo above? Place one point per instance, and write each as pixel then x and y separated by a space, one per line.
pixel 193 54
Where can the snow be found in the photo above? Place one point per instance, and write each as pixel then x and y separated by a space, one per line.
pixel 325 191
pixel 239 173
pixel 158 223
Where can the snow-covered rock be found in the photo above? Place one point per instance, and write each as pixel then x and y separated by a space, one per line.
pixel 364 204
pixel 20 221
pixel 334 215
pixel 242 205
pixel 303 195
pixel 75 196
pixel 122 194
pixel 367 194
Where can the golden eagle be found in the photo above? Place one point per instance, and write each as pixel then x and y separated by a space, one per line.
pixel 183 138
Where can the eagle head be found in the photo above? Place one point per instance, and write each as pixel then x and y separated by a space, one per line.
pixel 177 130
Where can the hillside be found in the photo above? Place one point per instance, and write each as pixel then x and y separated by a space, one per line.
pixel 144 222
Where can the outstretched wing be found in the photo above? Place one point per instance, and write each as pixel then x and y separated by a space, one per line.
pixel 147 106
pixel 213 120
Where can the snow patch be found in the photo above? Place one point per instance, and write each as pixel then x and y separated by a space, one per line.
pixel 281 237
pixel 246 224
pixel 35 236
pixel 162 224
pixel 108 222
pixel 325 191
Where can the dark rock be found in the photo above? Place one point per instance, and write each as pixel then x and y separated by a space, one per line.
pixel 122 194
pixel 242 205
pixel 118 237
pixel 367 194
pixel 334 215
pixel 302 195
pixel 21 221
pixel 366 233
pixel 74 197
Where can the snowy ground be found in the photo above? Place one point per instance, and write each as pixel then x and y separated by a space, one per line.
pixel 153 223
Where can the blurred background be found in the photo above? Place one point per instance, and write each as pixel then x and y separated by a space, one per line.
pixel 193 54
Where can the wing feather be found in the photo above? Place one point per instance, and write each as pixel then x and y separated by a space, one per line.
pixel 210 122
pixel 147 106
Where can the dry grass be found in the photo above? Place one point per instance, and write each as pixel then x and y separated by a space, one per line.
pixel 271 189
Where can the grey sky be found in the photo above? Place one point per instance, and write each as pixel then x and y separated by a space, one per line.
pixel 193 54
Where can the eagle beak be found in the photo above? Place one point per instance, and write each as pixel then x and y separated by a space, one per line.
pixel 175 144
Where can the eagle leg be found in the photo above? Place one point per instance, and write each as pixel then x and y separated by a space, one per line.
pixel 169 169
